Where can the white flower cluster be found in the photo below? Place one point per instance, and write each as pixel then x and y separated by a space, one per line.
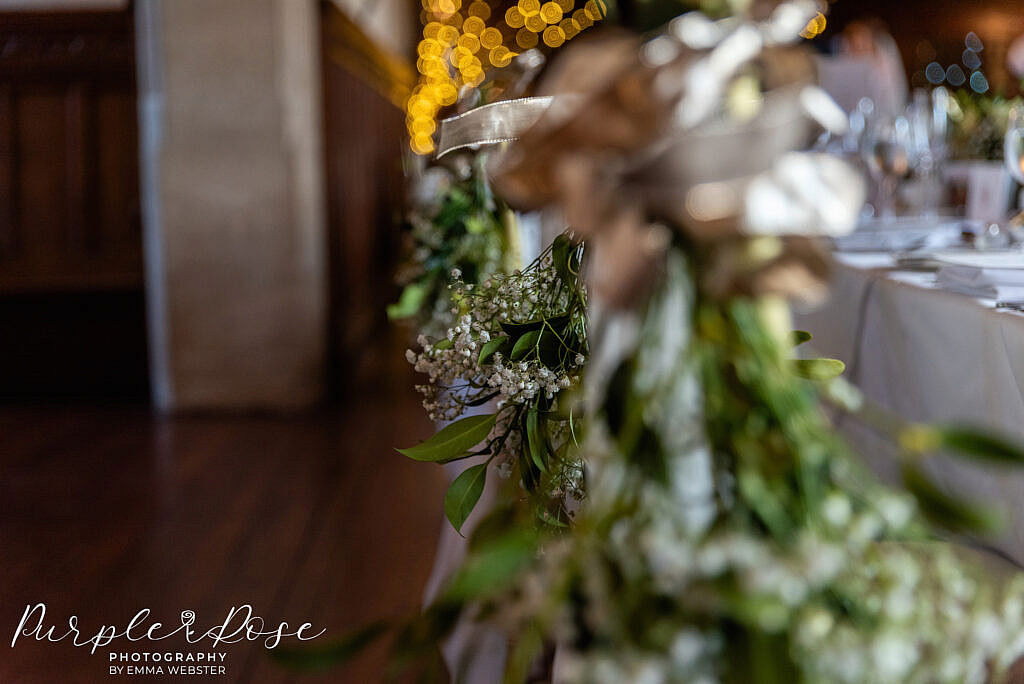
pixel 456 378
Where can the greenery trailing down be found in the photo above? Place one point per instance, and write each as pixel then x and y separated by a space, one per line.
pixel 729 537
pixel 727 534
pixel 458 226
pixel 519 341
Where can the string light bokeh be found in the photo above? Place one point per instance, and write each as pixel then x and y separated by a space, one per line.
pixel 462 39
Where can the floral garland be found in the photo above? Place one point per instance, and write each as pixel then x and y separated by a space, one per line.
pixel 454 224
pixel 725 533
pixel 520 341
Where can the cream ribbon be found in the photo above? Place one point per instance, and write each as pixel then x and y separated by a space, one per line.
pixel 495 123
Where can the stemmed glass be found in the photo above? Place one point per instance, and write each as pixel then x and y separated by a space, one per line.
pixel 1013 145
pixel 1013 158
pixel 929 121
pixel 888 149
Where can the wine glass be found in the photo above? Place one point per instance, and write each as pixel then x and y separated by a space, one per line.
pixel 928 115
pixel 888 149
pixel 1013 159
pixel 1013 145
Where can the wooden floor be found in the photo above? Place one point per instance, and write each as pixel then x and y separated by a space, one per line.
pixel 107 511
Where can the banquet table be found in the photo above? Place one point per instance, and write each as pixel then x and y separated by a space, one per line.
pixel 929 355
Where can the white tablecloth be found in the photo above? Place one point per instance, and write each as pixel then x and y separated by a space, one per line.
pixel 930 356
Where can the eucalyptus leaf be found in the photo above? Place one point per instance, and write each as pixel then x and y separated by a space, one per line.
pixel 452 441
pixel 945 510
pixel 818 369
pixel 464 494
pixel 493 566
pixel 525 344
pixel 535 439
pixel 490 348
pixel 979 445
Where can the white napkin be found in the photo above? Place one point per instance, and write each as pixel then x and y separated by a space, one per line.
pixel 997 275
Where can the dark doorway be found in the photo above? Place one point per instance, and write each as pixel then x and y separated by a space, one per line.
pixel 72 310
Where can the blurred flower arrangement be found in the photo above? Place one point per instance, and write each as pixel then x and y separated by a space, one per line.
pixel 520 340
pixel 454 224
pixel 979 125
pixel 722 532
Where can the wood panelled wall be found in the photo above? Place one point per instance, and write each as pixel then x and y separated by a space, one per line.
pixel 365 140
pixel 69 195
pixel 72 320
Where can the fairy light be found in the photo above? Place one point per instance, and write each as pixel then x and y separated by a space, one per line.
pixel 815 27
pixel 459 46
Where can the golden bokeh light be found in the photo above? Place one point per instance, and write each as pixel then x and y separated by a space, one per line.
pixel 526 39
pixel 456 38
pixel 553 36
pixel 473 25
pixel 535 23
pixel 514 18
pixel 480 9
pixel 529 7
pixel 815 27
pixel 551 12
pixel 490 38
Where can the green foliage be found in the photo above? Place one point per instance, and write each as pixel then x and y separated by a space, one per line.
pixel 463 495
pixel 487 352
pixel 463 232
pixel 492 567
pixel 330 655
pixel 527 332
pixel 801 336
pixel 453 441
pixel 979 445
pixel 411 302
pixel 945 511
pixel 819 370
pixel 979 125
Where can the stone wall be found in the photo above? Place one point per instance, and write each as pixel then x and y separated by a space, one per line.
pixel 233 201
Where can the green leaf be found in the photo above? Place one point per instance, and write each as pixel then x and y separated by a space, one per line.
pixel 452 441
pixel 818 369
pixel 801 336
pixel 979 445
pixel 944 510
pixel 489 349
pixel 534 439
pixel 444 344
pixel 463 495
pixel 560 257
pixel 476 224
pixel 409 303
pixel 525 344
pixel 493 567
pixel 517 330
pixel 330 655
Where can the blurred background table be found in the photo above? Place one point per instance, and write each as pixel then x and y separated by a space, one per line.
pixel 929 355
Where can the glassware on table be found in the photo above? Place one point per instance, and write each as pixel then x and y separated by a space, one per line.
pixel 888 150
pixel 928 116
pixel 1013 159
pixel 1013 146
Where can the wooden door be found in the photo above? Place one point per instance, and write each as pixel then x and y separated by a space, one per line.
pixel 72 318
